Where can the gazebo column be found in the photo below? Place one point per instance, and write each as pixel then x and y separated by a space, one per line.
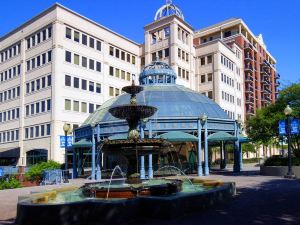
pixel 206 169
pixel 142 169
pixel 225 155
pixel 99 159
pixel 241 155
pixel 74 161
pixel 199 149
pixel 93 156
pixel 237 161
pixel 150 169
pixel 221 155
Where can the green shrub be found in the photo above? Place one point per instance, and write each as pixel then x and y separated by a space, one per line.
pixel 35 172
pixel 277 160
pixel 9 183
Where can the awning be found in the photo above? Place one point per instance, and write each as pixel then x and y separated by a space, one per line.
pixel 118 137
pixel 10 152
pixel 221 136
pixel 83 143
pixel 244 139
pixel 177 136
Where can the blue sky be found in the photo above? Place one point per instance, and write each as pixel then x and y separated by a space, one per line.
pixel 277 20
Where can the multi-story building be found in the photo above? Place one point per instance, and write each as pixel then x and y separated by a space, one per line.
pixel 60 66
pixel 259 71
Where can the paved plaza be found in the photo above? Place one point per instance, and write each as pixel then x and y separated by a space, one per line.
pixel 259 200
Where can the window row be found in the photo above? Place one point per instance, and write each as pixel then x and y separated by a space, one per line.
pixel 9 136
pixel 209 94
pixel 161 54
pixel 123 55
pixel 183 35
pixel 40 36
pixel 10 52
pixel 83 38
pixel 38 84
pixel 239 101
pixel 184 74
pixel 206 78
pixel 227 97
pixel 10 73
pixel 113 92
pixel 238 86
pixel 118 73
pixel 83 61
pixel 83 84
pixel 226 62
pixel 206 60
pixel 10 114
pixel 227 80
pixel 36 131
pixel 230 114
pixel 39 60
pixel 10 94
pixel 183 55
pixel 160 35
pixel 38 107
pixel 76 106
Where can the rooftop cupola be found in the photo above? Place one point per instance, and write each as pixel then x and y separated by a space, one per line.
pixel 167 10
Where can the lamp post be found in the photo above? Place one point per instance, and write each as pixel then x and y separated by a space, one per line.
pixel 288 111
pixel 203 119
pixel 66 129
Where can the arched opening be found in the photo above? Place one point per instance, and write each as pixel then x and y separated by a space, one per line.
pixel 36 155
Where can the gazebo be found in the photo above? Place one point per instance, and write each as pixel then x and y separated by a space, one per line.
pixel 180 109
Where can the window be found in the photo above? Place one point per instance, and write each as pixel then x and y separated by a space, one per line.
pixel 117 73
pixel 92 42
pixel 167 32
pixel 27 88
pixel 76 82
pixel 117 91
pixel 117 53
pixel 209 77
pixel 49 80
pixel 49 32
pixel 83 107
pixel 111 50
pixel 26 133
pixel 167 52
pixel 44 58
pixel 123 55
pixel 38 35
pixel 160 54
pixel 48 127
pixel 68 33
pixel 98 66
pixel 210 94
pixel 153 56
pixel 84 39
pixel 133 60
pixel 68 56
pixel 128 76
pixel 91 108
pixel 42 130
pixel 128 57
pixel 91 64
pixel 84 61
pixel 202 78
pixel 98 45
pixel 83 84
pixel 31 132
pixel 32 86
pixel 38 85
pixel 67 80
pixel 33 63
pixel 209 59
pixel 76 36
pixel 123 74
pixel 98 88
pixel 67 104
pixel 111 71
pixel 43 106
pixel 37 107
pixel 91 86
pixel 202 61
pixel 111 91
pixel 76 59
pixel 43 82
pixel 76 106
pixel 38 61
pixel 37 131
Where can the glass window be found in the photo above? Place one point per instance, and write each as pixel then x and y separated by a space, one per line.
pixel 38 61
pixel 83 107
pixel 43 106
pixel 27 88
pixel 209 59
pixel 44 58
pixel 117 53
pixel 49 32
pixel 38 35
pixel 31 132
pixel 68 56
pixel 83 84
pixel 37 131
pixel 117 73
pixel 17 135
pixel 111 50
pixel 92 42
pixel 160 54
pixel 111 91
pixel 133 60
pixel 48 129
pixel 76 36
pixel 84 39
pixel 84 61
pixel 68 33
pixel 117 91
pixel 123 55
pixel 48 104
pixel 76 106
pixel 43 82
pixel 167 32
pixel 128 57
pixel 111 71
pixel 76 82
pixel 98 46
pixel 98 66
pixel 91 64
pixel 167 52
pixel 49 80
pixel 98 88
pixel 91 86
pixel 76 59
pixel 202 61
pixel 68 80
pixel 32 109
pixel 42 130
pixel 209 77
pixel 128 76
pixel 38 85
pixel 67 104
pixel 202 78
pixel 37 107
pixel 33 63
pixel 32 86
pixel 91 108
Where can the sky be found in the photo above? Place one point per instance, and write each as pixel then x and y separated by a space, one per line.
pixel 277 20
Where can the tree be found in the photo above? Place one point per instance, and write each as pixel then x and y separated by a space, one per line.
pixel 248 148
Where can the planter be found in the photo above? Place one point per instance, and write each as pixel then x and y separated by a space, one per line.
pixel 278 170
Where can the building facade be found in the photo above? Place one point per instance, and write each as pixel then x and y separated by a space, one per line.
pixel 60 66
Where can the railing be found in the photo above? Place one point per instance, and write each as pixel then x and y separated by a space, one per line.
pixel 248 68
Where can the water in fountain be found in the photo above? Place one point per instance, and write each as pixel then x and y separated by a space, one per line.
pixel 179 170
pixel 117 167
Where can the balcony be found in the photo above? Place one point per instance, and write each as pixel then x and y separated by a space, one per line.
pixel 248 46
pixel 277 83
pixel 248 79
pixel 265 81
pixel 249 89
pixel 250 100
pixel 277 76
pixel 250 111
pixel 265 72
pixel 248 69
pixel 265 64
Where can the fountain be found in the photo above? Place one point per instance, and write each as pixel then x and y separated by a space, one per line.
pixel 126 200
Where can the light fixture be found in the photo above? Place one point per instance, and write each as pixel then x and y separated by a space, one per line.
pixel 288 110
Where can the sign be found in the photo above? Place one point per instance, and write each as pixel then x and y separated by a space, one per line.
pixel 281 126
pixel 62 141
pixel 294 126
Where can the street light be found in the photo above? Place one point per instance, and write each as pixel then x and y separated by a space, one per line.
pixel 66 129
pixel 288 111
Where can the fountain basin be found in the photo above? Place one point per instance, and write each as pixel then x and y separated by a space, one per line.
pixel 114 211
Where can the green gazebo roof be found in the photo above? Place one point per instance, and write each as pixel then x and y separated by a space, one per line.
pixel 221 136
pixel 83 143
pixel 177 136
